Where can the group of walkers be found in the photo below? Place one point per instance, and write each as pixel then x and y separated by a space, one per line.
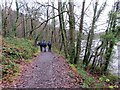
pixel 43 45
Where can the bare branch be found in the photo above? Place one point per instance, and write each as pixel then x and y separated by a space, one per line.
pixel 47 5
pixel 47 21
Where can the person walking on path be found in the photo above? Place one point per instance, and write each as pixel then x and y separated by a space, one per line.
pixel 49 46
pixel 41 45
pixel 44 45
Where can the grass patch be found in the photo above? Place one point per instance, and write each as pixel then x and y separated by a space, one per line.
pixel 15 51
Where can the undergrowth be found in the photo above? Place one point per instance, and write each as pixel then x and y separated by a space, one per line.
pixel 15 51
pixel 96 81
pixel 93 81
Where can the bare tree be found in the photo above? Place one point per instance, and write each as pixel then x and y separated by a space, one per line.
pixel 17 17
pixel 78 47
pixel 62 29
pixel 5 14
pixel 71 31
pixel 90 37
pixel 53 36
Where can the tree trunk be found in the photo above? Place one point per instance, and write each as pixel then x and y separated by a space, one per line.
pixel 17 17
pixel 32 27
pixel 62 28
pixel 78 47
pixel 111 43
pixel 90 38
pixel 53 36
pixel 24 35
pixel 71 31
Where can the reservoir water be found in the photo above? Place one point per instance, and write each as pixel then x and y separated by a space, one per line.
pixel 114 65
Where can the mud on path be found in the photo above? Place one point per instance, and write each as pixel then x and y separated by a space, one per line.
pixel 48 70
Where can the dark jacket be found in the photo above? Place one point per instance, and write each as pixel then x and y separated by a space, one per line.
pixel 44 44
pixel 49 44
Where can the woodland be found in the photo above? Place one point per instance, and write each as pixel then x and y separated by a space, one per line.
pixel 66 24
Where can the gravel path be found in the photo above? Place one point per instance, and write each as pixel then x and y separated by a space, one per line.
pixel 48 70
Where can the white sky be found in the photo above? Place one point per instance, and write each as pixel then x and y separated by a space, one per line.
pixel 77 3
